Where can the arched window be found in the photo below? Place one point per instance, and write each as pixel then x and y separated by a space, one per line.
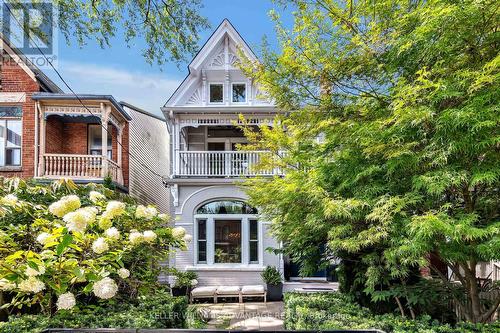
pixel 227 232
pixel 226 207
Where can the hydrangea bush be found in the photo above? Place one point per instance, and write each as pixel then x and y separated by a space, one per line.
pixel 63 244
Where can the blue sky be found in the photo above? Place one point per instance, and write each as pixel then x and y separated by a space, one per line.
pixel 123 72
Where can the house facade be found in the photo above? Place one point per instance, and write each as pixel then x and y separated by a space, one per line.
pixel 47 134
pixel 229 237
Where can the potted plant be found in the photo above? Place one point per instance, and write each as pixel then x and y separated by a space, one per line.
pixel 273 280
pixel 183 282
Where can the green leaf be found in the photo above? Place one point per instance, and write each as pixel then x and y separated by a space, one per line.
pixel 67 239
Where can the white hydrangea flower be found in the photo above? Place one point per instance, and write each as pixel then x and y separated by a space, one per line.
pixel 194 282
pixel 105 288
pixel 163 217
pixel 95 196
pixel 43 238
pixel 112 233
pixel 105 221
pixel 79 219
pixel 135 237
pixel 6 285
pixel 9 200
pixel 33 272
pixel 149 236
pixel 187 238
pixel 115 208
pixel 123 273
pixel 178 232
pixel 31 285
pixel 66 301
pixel 65 205
pixel 99 245
pixel 147 213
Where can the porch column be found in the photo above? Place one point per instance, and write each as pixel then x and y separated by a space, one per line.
pixel 42 134
pixel 119 153
pixel 104 139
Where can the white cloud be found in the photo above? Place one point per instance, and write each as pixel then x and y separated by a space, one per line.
pixel 145 90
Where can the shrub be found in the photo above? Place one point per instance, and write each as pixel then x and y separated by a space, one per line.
pixel 271 275
pixel 328 311
pixel 154 311
pixel 63 245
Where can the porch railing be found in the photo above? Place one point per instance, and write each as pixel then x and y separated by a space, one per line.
pixel 222 164
pixel 80 167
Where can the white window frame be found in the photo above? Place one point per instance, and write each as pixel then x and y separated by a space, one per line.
pixel 246 92
pixel 223 92
pixel 7 119
pixel 89 141
pixel 245 240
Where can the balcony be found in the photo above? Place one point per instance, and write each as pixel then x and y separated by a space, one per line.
pixel 83 167
pixel 221 164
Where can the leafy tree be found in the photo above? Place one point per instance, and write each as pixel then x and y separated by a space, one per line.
pixel 170 28
pixel 393 146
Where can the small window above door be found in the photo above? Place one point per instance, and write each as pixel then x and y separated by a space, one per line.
pixel 216 93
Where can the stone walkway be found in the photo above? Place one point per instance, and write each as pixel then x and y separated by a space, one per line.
pixel 244 316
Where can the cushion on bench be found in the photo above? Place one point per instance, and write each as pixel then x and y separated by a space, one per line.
pixel 228 290
pixel 253 290
pixel 203 291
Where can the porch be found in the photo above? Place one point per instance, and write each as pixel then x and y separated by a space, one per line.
pixel 71 144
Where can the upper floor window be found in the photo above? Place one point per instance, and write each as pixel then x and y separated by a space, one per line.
pixel 239 92
pixel 95 141
pixel 216 93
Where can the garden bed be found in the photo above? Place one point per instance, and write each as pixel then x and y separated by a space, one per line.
pixel 329 311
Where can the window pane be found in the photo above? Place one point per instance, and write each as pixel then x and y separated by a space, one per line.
pixel 226 207
pixel 202 251
pixel 239 92
pixel 13 156
pixel 14 133
pixel 216 93
pixel 2 142
pixel 253 230
pixel 227 241
pixel 95 135
pixel 254 253
pixel 202 229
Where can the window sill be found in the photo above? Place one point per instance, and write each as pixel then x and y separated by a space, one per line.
pixel 11 168
pixel 222 268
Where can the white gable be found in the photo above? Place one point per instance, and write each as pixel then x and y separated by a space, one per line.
pixel 217 64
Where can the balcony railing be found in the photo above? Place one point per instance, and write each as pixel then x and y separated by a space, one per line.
pixel 221 164
pixel 80 167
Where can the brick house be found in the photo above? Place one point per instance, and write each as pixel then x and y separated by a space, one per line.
pixel 47 134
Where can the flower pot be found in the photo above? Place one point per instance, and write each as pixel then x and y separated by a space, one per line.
pixel 179 291
pixel 274 292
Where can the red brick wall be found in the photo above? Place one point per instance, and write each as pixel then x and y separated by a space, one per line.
pixel 54 136
pixel 15 79
pixel 75 138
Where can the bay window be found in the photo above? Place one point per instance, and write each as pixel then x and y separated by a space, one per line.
pixel 227 233
pixel 10 142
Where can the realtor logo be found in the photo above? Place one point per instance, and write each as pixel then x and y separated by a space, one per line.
pixel 29 27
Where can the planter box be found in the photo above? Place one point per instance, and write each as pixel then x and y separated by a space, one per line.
pixel 274 292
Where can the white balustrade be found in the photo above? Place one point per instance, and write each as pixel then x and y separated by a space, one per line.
pixel 221 164
pixel 79 167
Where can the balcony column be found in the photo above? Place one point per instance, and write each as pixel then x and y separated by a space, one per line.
pixel 119 152
pixel 104 139
pixel 43 126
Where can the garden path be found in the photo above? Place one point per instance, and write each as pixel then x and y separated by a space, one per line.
pixel 244 316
